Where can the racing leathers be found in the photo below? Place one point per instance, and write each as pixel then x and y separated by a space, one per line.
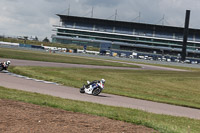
pixel 93 85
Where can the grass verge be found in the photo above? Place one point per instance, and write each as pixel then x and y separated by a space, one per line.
pixel 49 57
pixel 179 88
pixel 70 46
pixel 161 123
pixel 63 58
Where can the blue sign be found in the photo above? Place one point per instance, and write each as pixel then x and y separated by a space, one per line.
pixel 85 47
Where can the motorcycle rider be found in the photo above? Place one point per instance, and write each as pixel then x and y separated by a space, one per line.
pixel 5 65
pixel 91 85
pixel 95 81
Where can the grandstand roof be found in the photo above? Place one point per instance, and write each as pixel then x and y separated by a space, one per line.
pixel 125 24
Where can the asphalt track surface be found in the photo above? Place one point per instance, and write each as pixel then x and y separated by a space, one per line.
pixel 16 62
pixel 30 85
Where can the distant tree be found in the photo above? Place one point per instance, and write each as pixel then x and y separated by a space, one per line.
pixel 25 39
pixel 46 39
pixel 36 38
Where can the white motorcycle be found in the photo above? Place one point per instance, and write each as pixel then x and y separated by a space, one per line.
pixel 93 88
pixel 4 66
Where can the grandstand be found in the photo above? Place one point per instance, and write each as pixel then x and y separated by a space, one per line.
pixel 125 36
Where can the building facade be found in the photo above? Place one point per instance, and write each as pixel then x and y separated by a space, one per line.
pixel 128 36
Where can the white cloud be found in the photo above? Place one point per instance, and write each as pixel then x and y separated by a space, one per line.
pixel 53 21
pixel 35 18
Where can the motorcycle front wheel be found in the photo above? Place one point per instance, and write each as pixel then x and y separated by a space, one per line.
pixel 82 90
pixel 96 91
pixel 1 67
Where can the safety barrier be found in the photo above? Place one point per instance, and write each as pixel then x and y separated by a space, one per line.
pixel 31 46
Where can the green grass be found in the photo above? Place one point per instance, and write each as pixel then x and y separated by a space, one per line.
pixel 161 123
pixel 70 46
pixel 165 65
pixel 49 57
pixel 179 88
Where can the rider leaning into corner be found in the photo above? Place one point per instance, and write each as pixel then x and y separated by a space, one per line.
pixel 91 85
pixel 96 81
pixel 4 65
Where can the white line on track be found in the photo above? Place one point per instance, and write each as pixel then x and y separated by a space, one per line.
pixel 25 77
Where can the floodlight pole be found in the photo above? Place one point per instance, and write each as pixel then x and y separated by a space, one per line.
pixel 116 15
pixel 68 10
pixel 139 17
pixel 92 13
pixel 185 35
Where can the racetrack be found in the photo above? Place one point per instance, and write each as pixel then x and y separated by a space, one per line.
pixel 10 81
pixel 16 62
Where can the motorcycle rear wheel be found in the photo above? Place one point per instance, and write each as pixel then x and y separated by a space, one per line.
pixel 96 91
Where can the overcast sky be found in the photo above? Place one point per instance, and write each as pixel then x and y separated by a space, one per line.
pixel 36 17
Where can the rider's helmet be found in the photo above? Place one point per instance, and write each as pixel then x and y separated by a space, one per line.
pixel 7 62
pixel 103 81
